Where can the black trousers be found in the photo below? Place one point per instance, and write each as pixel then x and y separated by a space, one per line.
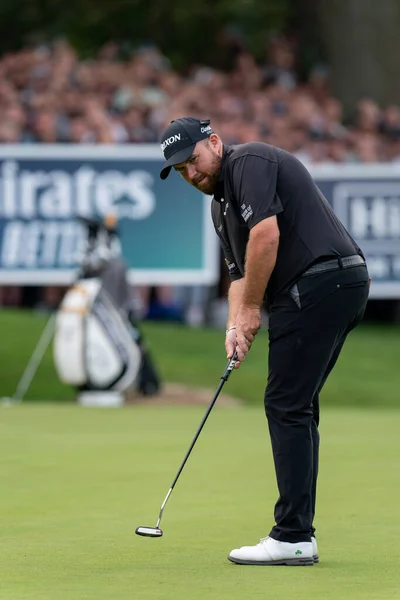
pixel 307 329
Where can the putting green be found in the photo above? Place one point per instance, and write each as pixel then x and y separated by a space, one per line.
pixel 77 482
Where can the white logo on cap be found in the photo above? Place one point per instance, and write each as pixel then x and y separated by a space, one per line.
pixel 171 140
pixel 205 129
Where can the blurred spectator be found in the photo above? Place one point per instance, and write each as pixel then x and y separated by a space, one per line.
pixel 368 148
pixel 367 116
pixel 280 66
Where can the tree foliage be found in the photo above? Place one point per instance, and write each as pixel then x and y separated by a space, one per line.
pixel 187 31
pixel 359 38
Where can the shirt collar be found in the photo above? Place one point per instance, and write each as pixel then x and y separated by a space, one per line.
pixel 219 188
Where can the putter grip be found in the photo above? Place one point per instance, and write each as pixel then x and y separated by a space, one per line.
pixel 229 367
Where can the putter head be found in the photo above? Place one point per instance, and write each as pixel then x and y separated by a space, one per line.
pixel 149 531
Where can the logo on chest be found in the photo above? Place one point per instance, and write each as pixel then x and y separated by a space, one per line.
pixel 230 265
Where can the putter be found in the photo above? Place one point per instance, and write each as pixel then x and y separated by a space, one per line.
pixel 156 531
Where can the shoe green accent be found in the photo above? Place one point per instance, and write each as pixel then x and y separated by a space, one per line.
pixel 298 552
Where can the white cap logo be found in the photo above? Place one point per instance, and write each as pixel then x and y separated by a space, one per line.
pixel 171 140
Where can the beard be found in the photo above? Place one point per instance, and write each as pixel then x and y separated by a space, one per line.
pixel 208 182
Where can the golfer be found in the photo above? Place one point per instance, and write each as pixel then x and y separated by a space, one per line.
pixel 283 245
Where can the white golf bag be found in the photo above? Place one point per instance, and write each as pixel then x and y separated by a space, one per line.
pixel 93 347
pixel 97 342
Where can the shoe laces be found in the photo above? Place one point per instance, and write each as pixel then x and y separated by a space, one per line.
pixel 264 539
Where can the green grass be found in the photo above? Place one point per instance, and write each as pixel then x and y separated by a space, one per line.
pixel 367 373
pixel 76 482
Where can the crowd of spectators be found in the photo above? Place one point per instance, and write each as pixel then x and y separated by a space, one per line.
pixel 49 95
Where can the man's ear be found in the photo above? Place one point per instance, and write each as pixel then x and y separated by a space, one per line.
pixel 215 142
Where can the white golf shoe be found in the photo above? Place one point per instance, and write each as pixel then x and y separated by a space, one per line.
pixel 315 550
pixel 273 552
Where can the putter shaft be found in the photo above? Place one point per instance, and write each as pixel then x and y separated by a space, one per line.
pixel 225 376
pixel 162 507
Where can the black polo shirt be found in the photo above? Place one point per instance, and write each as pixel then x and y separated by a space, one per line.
pixel 258 181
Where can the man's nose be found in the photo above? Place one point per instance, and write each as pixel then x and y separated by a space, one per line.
pixel 190 172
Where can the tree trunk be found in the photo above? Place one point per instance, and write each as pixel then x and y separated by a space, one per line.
pixel 362 43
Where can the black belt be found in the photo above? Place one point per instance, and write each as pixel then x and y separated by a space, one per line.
pixel 334 264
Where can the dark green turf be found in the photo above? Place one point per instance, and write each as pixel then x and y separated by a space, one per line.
pixel 367 373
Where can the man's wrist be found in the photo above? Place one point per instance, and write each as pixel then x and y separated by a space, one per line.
pixel 250 304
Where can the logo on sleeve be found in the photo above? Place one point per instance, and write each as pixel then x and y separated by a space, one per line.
pixel 247 212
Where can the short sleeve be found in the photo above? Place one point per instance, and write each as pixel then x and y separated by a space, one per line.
pixel 254 181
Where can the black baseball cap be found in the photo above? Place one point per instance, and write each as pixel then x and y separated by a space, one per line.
pixel 179 140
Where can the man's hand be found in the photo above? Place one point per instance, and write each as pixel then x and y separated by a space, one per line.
pixel 230 345
pixel 248 322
